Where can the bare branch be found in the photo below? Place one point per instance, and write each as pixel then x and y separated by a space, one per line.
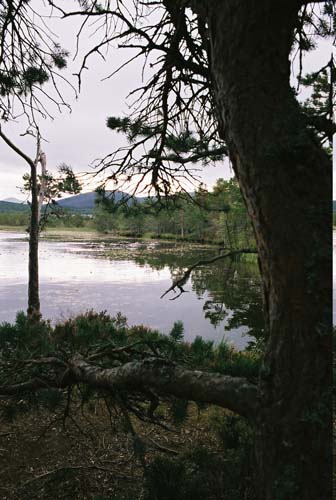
pixel 145 375
pixel 31 385
pixel 180 282
pixel 16 149
pixel 234 393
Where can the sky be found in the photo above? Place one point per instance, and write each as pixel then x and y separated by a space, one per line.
pixel 80 137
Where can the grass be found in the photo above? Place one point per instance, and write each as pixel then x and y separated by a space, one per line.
pixel 89 232
pixel 61 232
pixel 13 229
pixel 66 233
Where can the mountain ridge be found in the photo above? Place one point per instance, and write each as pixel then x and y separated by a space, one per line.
pixel 86 201
pixel 9 206
pixel 83 202
pixel 14 200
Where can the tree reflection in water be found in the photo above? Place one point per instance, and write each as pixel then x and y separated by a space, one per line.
pixel 232 286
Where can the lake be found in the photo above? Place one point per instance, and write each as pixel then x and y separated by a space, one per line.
pixel 223 300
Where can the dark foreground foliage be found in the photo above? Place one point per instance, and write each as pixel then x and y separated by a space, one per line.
pixel 61 442
pixel 202 474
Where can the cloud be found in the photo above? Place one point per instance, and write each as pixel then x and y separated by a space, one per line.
pixel 79 137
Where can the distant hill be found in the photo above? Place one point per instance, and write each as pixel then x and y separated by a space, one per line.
pixel 334 205
pixel 86 201
pixel 83 202
pixel 14 200
pixel 9 206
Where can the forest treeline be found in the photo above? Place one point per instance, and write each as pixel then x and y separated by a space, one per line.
pixel 207 216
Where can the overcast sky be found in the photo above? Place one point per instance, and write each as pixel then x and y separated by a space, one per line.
pixel 79 137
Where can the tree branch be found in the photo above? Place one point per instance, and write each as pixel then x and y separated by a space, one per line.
pixel 16 149
pixel 177 158
pixel 322 125
pixel 164 377
pixel 150 374
pixel 31 385
pixel 180 282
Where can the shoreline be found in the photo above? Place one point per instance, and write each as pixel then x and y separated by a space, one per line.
pixel 87 234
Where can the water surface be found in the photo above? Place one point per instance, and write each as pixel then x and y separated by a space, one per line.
pixel 222 300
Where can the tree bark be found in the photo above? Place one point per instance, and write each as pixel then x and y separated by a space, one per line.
pixel 285 178
pixel 33 310
pixel 37 196
pixel 234 393
pixel 164 377
pixel 43 184
pixel 33 265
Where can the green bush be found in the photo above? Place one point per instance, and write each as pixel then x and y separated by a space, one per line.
pixel 177 332
pixel 232 431
pixel 93 332
pixel 24 338
pixel 90 329
pixel 237 363
pixel 192 476
pixel 197 475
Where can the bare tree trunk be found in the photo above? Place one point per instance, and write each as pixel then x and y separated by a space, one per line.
pixel 33 264
pixel 37 196
pixel 43 184
pixel 285 178
pixel 36 201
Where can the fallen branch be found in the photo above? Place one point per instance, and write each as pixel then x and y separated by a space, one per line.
pixel 162 377
pixel 31 385
pixel 167 378
pixel 180 282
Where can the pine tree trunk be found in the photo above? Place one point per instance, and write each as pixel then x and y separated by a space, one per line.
pixel 285 178
pixel 33 272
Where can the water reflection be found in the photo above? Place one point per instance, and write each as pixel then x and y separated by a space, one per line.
pixel 232 286
pixel 223 298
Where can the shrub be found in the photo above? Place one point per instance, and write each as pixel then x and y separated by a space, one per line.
pixel 196 475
